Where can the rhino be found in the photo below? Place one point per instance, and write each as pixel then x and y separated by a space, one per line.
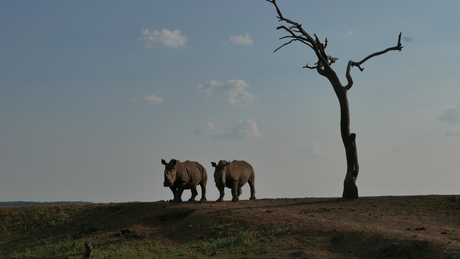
pixel 234 175
pixel 185 175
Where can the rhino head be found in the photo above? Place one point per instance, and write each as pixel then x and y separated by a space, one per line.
pixel 170 172
pixel 220 172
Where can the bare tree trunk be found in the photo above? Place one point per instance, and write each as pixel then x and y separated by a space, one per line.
pixel 350 190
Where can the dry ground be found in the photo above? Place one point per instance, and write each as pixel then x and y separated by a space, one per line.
pixel 369 227
pixel 423 221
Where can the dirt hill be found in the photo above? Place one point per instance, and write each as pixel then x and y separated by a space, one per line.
pixel 369 227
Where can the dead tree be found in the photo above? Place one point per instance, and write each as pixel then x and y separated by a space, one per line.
pixel 296 33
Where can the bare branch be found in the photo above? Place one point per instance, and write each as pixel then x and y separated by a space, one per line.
pixel 283 45
pixel 297 33
pixel 294 36
pixel 398 47
pixel 280 16
pixel 289 42
pixel 352 63
pixel 307 66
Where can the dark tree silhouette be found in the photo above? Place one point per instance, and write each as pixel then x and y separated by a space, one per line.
pixel 296 33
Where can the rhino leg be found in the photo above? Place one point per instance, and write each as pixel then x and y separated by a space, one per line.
pixel 253 189
pixel 221 192
pixel 194 194
pixel 174 190
pixel 203 191
pixel 235 190
pixel 178 195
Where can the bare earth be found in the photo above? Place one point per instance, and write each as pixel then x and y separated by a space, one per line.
pixel 369 227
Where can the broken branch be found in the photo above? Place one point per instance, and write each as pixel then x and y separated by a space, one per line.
pixel 352 63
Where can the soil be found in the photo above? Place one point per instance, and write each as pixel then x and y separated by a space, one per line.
pixel 368 227
pixel 416 226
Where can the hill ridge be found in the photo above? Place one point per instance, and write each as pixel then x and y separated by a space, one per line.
pixel 368 227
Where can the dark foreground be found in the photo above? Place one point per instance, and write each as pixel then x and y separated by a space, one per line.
pixel 369 227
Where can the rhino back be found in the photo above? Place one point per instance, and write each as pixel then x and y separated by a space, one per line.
pixel 193 172
pixel 240 170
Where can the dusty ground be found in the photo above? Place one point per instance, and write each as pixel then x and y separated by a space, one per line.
pixel 374 225
pixel 369 227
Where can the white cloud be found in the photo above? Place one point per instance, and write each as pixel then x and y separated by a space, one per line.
pixel 209 129
pixel 234 91
pixel 164 37
pixel 241 39
pixel 455 133
pixel 210 86
pixel 313 151
pixel 246 129
pixel 153 99
pixel 451 115
pixel 350 33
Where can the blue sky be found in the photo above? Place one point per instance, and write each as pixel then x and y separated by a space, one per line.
pixel 93 94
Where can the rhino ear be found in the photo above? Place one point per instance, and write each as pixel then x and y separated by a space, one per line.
pixel 173 161
pixel 213 164
pixel 163 161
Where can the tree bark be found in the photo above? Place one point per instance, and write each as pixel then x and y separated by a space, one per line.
pixel 350 190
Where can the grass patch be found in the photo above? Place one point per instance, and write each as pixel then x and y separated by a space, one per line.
pixel 239 243
pixel 64 248
pixel 31 220
pixel 286 229
pixel 29 232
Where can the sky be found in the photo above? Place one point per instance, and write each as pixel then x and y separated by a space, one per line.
pixel 93 94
